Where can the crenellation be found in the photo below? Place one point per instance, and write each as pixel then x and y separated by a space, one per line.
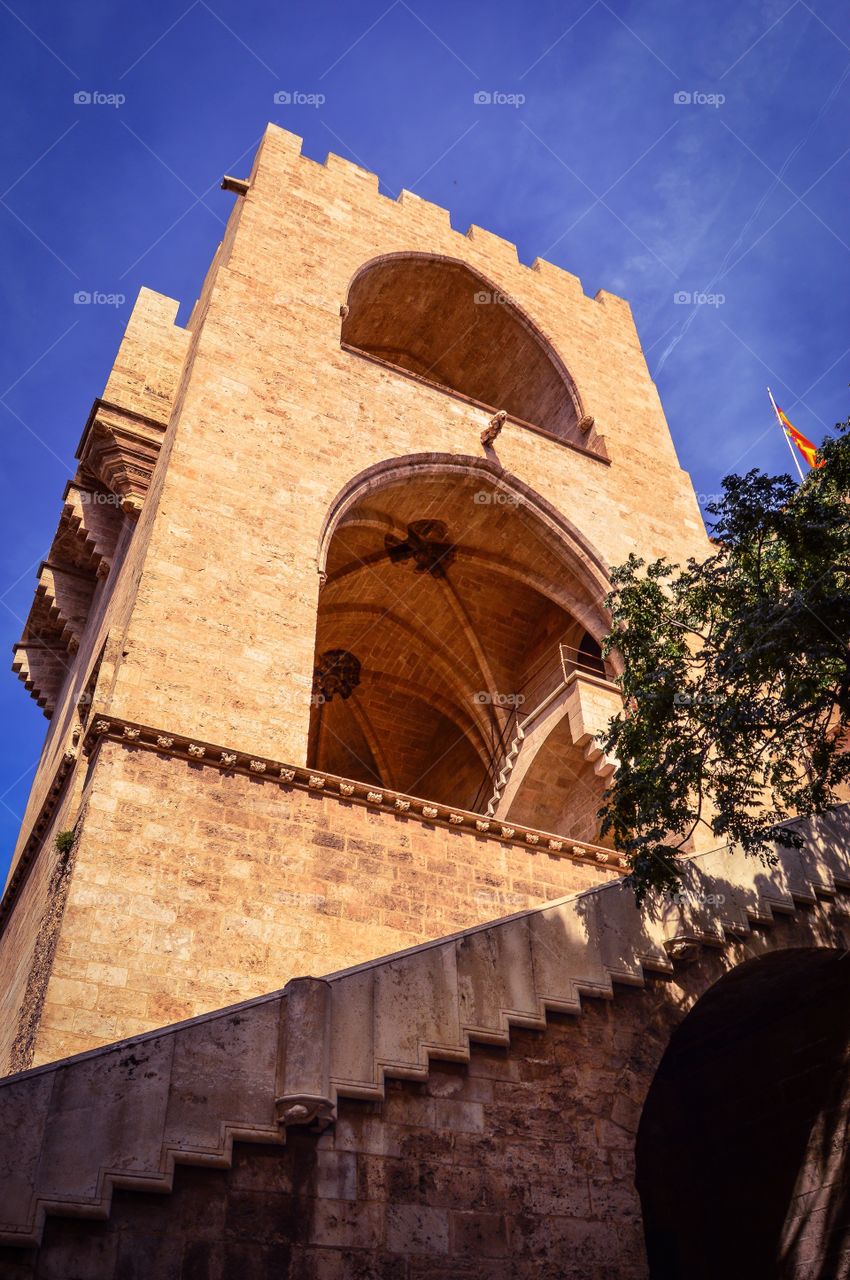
pixel 276 141
pixel 501 251
pixel 150 359
pixel 348 172
pixel 558 277
pixel 621 309
pixel 428 218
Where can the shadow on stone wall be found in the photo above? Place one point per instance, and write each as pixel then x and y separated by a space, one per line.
pixel 722 1071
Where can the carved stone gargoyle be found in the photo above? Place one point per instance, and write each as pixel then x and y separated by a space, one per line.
pixel 491 431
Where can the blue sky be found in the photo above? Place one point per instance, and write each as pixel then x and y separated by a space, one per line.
pixel 583 156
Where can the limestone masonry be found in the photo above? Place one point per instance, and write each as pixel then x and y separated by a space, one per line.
pixel 318 639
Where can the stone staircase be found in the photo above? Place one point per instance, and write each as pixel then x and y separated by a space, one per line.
pixel 586 726
pixel 506 770
pixel 127 1114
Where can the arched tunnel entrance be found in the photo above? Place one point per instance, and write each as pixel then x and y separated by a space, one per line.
pixel 449 605
pixel 742 1155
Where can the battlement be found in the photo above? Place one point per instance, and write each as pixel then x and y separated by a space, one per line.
pixel 357 183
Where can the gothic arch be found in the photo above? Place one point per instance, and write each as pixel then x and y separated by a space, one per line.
pixel 447 650
pixel 406 632
pixel 560 531
pixel 440 320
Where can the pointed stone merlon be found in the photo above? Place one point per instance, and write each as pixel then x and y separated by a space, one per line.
pixel 619 309
pixel 426 217
pixel 146 373
pixel 280 152
pixel 303 1087
pixel 495 248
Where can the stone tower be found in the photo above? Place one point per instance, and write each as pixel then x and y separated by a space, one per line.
pixel 318 634
pixel 311 868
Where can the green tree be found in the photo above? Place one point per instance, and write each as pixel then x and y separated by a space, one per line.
pixel 736 680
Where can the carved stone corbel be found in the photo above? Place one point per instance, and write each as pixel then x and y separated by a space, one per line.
pixel 426 545
pixel 683 949
pixel 337 672
pixel 120 449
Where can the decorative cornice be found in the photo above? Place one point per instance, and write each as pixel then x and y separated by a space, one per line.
pixel 80 557
pixel 41 667
pixel 88 528
pixel 231 760
pixel 62 603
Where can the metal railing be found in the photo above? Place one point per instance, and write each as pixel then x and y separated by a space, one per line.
pixel 552 670
pixel 545 676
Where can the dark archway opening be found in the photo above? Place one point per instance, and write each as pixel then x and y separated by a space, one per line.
pixel 741 1152
pixel 449 608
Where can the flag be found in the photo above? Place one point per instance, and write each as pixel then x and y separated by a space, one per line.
pixel 808 450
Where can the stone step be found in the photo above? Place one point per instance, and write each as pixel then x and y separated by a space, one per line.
pixel 73 1131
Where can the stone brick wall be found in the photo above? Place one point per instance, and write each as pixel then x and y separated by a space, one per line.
pixel 195 888
pixel 520 1164
pixel 28 945
pixel 276 418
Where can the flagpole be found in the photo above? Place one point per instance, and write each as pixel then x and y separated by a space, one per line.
pixel 785 434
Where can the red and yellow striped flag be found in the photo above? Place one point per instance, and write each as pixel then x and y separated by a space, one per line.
pixel 808 450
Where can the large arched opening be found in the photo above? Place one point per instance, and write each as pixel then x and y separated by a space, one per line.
pixel 437 319
pixel 451 595
pixel 742 1148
